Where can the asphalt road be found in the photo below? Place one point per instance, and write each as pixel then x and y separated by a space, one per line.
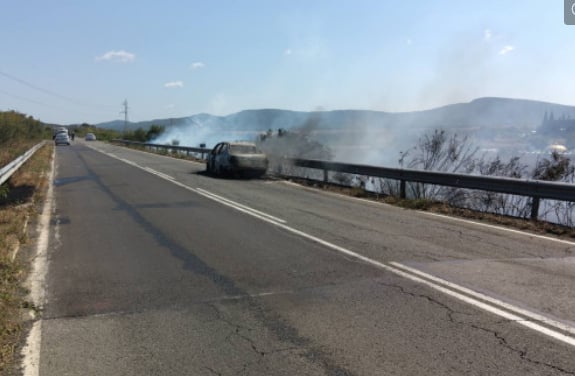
pixel 157 269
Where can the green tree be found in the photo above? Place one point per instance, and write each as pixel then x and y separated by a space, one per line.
pixel 154 132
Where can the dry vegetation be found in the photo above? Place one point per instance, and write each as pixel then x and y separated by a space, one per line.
pixel 19 133
pixel 19 199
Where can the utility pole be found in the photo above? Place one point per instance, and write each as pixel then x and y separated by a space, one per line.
pixel 125 112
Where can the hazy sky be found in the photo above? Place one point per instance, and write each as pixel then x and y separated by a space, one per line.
pixel 76 61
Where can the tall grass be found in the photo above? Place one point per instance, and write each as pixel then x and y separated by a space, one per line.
pixel 19 133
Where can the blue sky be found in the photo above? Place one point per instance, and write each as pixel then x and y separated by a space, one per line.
pixel 76 61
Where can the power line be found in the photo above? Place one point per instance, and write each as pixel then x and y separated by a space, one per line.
pixel 58 107
pixel 46 91
pixel 27 99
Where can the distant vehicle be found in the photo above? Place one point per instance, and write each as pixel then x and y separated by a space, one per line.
pixel 62 138
pixel 58 131
pixel 236 158
pixel 90 137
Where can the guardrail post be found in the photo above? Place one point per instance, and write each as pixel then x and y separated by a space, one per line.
pixel 325 175
pixel 402 189
pixel 535 208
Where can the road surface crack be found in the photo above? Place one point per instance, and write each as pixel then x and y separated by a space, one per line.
pixel 236 330
pixel 450 311
pixel 284 334
pixel 522 353
pixel 212 371
pixel 502 341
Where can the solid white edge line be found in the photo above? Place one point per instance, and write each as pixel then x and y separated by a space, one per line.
pixel 242 206
pixel 31 350
pixel 476 303
pixel 231 205
pixel 396 270
pixel 532 315
pixel 211 196
pixel 125 160
pixel 495 227
pixel 36 281
pixel 160 174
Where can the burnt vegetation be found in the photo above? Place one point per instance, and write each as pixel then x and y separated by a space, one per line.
pixel 441 151
pixel 295 143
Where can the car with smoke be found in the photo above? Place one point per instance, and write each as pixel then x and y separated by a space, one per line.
pixel 236 158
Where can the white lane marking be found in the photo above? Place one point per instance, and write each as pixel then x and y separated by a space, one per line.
pixel 160 174
pixel 474 302
pixel 31 351
pixel 494 227
pixel 338 195
pixel 245 296
pixel 521 320
pixel 241 206
pixel 204 193
pixel 502 304
pixel 231 204
pixel 124 160
pixel 36 281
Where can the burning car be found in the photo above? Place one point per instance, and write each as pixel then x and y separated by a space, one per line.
pixel 236 158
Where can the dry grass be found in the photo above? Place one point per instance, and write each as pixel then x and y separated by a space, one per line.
pixel 25 190
pixel 9 151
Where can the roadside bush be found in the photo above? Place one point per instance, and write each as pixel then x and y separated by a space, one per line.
pixel 142 135
pixel 440 151
pixel 557 168
pixel 18 133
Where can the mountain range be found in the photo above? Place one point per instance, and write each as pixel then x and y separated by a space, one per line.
pixel 483 113
pixel 501 125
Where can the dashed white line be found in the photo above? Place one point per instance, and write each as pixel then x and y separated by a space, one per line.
pixel 484 302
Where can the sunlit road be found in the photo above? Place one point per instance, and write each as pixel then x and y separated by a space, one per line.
pixel 157 269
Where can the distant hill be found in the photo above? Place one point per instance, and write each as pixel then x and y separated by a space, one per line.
pixel 502 124
pixel 486 113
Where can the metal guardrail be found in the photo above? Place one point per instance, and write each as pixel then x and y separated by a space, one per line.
pixel 186 149
pixel 536 189
pixel 7 171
